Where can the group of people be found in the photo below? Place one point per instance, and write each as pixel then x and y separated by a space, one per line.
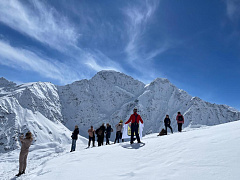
pixel 135 119
pixel 180 122
pixel 101 132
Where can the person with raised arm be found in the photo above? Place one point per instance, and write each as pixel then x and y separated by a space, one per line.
pixel 26 143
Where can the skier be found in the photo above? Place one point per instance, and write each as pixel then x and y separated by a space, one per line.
pixel 26 143
pixel 167 123
pixel 180 121
pixel 119 128
pixel 108 133
pixel 91 133
pixel 134 119
pixel 74 138
pixel 100 134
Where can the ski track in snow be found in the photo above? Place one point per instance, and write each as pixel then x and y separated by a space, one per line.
pixel 201 154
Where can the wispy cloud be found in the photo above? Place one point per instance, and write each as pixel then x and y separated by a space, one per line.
pixel 39 21
pixel 233 10
pixel 45 24
pixel 98 61
pixel 138 17
pixel 19 58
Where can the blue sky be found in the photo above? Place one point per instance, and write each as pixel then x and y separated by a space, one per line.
pixel 195 44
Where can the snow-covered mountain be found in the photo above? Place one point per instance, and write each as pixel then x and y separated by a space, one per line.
pixel 48 110
pixel 32 106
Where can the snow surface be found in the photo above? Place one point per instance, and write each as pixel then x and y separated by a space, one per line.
pixel 206 153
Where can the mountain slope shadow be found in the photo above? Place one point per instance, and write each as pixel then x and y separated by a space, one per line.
pixel 133 146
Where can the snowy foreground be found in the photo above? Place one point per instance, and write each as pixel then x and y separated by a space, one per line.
pixel 198 154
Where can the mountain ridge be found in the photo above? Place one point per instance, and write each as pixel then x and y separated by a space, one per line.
pixel 105 98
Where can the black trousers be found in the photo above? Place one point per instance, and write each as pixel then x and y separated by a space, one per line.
pixel 134 129
pixel 179 127
pixel 118 136
pixel 91 139
pixel 107 138
pixel 100 140
pixel 168 126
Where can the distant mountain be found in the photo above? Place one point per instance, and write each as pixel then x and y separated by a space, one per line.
pixel 47 109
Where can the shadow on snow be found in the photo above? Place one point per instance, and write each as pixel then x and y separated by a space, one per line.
pixel 133 146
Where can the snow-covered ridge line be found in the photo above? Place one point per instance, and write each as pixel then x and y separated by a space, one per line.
pixel 106 98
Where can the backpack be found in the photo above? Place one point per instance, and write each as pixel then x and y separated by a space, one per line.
pixel 136 119
pixel 180 118
pixel 163 132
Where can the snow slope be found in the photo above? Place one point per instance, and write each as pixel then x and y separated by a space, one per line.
pixel 34 107
pixel 206 153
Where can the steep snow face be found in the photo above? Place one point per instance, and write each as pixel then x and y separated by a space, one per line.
pixel 6 86
pixel 161 98
pixel 106 98
pixel 92 102
pixel 110 96
pixel 34 107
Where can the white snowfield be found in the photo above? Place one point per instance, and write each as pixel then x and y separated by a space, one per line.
pixel 206 153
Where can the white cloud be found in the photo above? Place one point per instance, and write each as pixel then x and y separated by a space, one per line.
pixel 40 22
pixel 45 24
pixel 233 10
pixel 23 59
pixel 138 18
pixel 98 61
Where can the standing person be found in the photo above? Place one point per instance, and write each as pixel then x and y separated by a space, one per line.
pixel 108 133
pixel 180 121
pixel 167 123
pixel 134 119
pixel 74 138
pixel 26 143
pixel 91 133
pixel 119 128
pixel 100 134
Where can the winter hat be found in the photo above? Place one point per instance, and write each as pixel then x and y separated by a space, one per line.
pixel 121 121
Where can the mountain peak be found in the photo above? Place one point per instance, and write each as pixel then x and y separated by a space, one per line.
pixel 108 73
pixel 162 80
pixel 5 83
pixel 113 77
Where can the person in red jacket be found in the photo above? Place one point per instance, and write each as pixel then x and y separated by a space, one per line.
pixel 134 119
pixel 180 121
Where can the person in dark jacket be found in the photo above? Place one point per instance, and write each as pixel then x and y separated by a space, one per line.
pixel 100 134
pixel 180 121
pixel 167 123
pixel 134 119
pixel 108 133
pixel 74 138
pixel 26 143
